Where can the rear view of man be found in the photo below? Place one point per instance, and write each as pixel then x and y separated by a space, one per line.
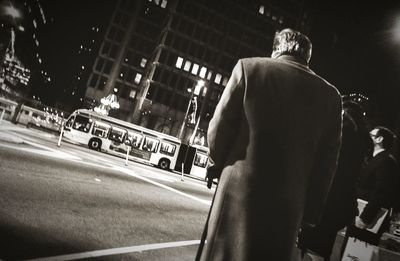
pixel 274 139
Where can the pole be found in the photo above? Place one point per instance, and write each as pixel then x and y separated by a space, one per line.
pixel 204 234
pixel 61 134
pixel 127 156
pixel 185 118
pixel 183 165
pixel 195 130
pixel 2 115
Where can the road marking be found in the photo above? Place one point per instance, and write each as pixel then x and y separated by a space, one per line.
pixel 129 172
pixel 120 250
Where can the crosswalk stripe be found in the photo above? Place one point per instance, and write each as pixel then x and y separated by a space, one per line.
pixel 117 251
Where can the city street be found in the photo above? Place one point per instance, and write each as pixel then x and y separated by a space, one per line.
pixel 69 203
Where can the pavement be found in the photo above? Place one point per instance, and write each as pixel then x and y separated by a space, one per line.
pixel 6 135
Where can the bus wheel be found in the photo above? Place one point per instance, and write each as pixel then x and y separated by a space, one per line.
pixel 95 144
pixel 164 164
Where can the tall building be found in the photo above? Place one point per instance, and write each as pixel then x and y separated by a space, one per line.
pixel 157 55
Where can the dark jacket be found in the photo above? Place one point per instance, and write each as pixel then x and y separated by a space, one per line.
pixel 341 206
pixel 275 134
pixel 379 185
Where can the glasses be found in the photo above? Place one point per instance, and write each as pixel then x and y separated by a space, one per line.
pixel 373 135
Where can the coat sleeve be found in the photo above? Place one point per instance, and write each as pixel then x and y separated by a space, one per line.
pixel 325 166
pixel 224 125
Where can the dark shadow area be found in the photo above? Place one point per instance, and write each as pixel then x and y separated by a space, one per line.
pixel 19 242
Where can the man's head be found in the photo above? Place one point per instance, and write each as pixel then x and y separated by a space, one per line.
pixel 291 42
pixel 382 137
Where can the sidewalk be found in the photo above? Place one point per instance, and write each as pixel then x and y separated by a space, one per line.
pixel 5 135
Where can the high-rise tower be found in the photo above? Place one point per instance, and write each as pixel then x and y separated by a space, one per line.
pixel 155 52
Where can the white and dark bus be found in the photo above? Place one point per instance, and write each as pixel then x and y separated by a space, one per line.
pixel 120 138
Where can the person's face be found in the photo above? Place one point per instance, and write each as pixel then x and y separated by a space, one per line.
pixel 374 136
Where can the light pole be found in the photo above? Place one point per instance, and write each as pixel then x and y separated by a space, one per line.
pixel 107 103
pixel 198 89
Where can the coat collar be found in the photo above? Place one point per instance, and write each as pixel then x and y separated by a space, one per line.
pixel 294 59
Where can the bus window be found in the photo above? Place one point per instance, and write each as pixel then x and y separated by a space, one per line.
pixel 167 148
pixel 117 134
pixel 200 160
pixel 134 139
pixel 150 144
pixel 82 123
pixel 70 121
pixel 100 129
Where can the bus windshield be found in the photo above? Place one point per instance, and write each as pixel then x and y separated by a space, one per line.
pixel 82 123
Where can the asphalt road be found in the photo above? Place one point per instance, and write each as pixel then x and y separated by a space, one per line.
pixel 69 203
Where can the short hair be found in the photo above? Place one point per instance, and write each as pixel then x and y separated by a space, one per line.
pixel 388 137
pixel 291 42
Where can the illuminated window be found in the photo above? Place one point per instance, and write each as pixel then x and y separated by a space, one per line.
pixel 218 78
pixel 187 66
pixel 138 77
pixel 261 9
pixel 132 94
pixel 179 62
pixel 209 75
pixel 164 3
pixel 203 72
pixel 143 62
pixel 195 69
pixel 225 81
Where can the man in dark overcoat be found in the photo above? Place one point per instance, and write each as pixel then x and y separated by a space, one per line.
pixel 274 138
pixel 378 186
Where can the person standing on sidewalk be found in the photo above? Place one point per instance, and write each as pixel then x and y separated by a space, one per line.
pixel 341 206
pixel 274 139
pixel 378 186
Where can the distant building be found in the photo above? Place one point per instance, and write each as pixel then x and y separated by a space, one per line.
pixel 156 51
pixel 24 65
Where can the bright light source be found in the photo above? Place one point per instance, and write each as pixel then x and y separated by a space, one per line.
pixel 12 11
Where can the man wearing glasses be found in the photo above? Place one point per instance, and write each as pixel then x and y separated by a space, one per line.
pixel 379 183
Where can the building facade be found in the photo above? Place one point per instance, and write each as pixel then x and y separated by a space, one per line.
pixel 159 56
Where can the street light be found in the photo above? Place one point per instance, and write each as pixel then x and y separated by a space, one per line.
pixel 107 103
pixel 199 89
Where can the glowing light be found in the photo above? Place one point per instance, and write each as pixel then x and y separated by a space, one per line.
pixel 12 11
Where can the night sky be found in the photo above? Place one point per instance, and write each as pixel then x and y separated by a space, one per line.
pixel 353 46
pixel 355 49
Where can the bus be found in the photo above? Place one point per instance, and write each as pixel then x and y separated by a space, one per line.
pixel 120 138
pixel 200 162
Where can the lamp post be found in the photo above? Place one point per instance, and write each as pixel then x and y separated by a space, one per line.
pixel 107 103
pixel 198 89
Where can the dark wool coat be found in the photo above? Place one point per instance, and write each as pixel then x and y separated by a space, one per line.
pixel 341 206
pixel 379 185
pixel 276 134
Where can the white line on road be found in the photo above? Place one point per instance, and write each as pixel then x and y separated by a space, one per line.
pixel 120 250
pixel 127 171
